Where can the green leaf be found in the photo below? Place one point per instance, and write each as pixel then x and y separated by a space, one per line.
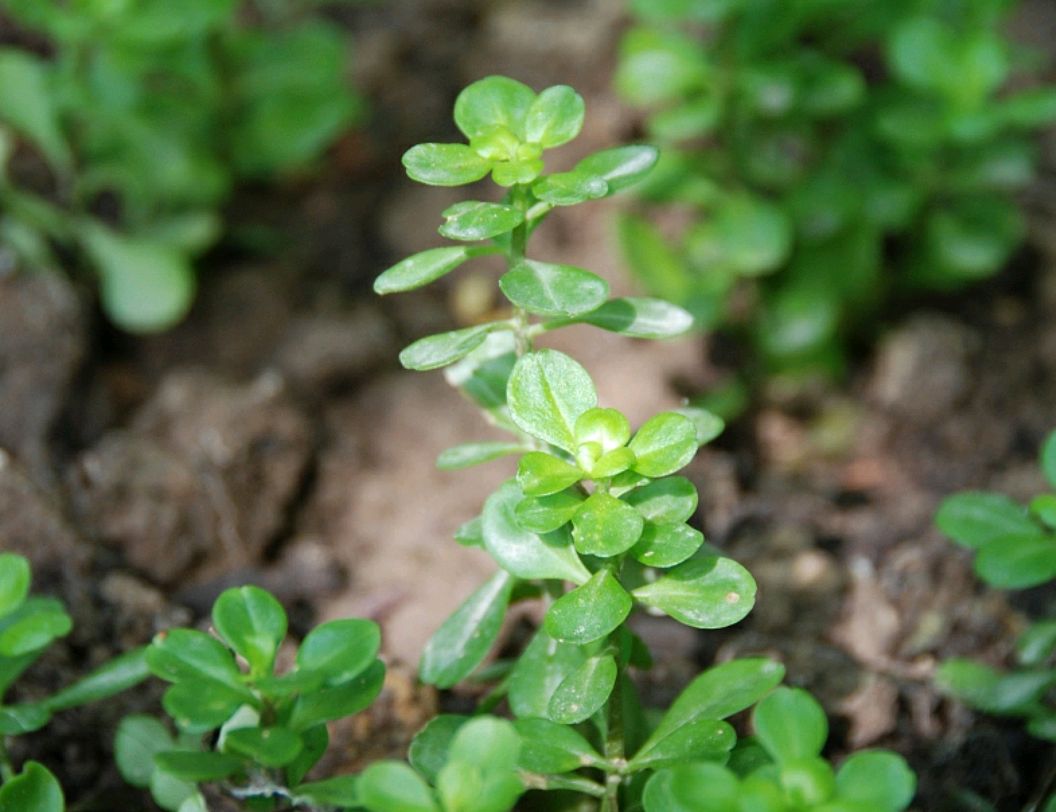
pixel 550 748
pixel 589 612
pixel 203 704
pixel 708 425
pixel 32 626
pixel 973 518
pixel 878 779
pixel 641 318
pixel 422 268
pixel 791 725
pixel 469 454
pixel 33 790
pixel 522 553
pixel 718 693
pixel 693 787
pixel 341 791
pixel 547 393
pixel 750 235
pixel 253 623
pixel 541 474
pixel 444 164
pixel 145 286
pixel 570 188
pixel 338 701
pixel 179 654
pixel 542 667
pixel 431 744
pixel 705 593
pixel 464 639
pixel 113 677
pixel 665 545
pixel 14 582
pixel 699 740
pixel 491 103
pixel 555 117
pixel 511 173
pixel 475 220
pixel 671 500
pixel 1048 459
pixel 315 739
pixel 267 746
pixel 391 786
pixel 138 739
pixel 1037 643
pixel 471 533
pixel 664 444
pixel 544 514
pixel 1017 562
pixel 480 774
pixel 1043 506
pixel 170 792
pixel 25 718
pixel 583 692
pixel 28 103
pixel 606 526
pixel 195 766
pixel 547 289
pixel 435 351
pixel 606 427
pixel 620 167
pixel 657 265
pixel 340 649
pixel 658 67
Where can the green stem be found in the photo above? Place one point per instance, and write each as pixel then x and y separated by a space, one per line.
pixel 518 243
pixel 614 746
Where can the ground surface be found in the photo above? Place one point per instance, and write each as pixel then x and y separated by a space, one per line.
pixel 272 439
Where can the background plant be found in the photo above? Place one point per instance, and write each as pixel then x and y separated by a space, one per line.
pixel 145 118
pixel 593 504
pixel 28 626
pixel 1015 548
pixel 828 153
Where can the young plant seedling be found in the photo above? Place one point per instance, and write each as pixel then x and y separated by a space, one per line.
pixel 28 626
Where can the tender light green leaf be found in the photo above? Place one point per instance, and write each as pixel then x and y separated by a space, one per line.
pixel 589 612
pixel 544 514
pixel 422 268
pixel 550 748
pixel 708 425
pixel 113 677
pixel 718 693
pixel 665 545
pixel 791 725
pixel 620 167
pixel 570 188
pixel 430 746
pixel 541 474
pixel 253 623
pixel 705 593
pixel 547 393
pixel 341 791
pixel 641 318
pixel 471 533
pixel 974 518
pixel 435 351
pixel 18 719
pixel 444 164
pixel 491 103
pixel 511 173
pixel 1017 562
pixel 179 654
pixel 1048 459
pixel 338 701
pixel 606 427
pixel 542 667
pixel 33 790
pixel 202 704
pixel 267 746
pixel 190 765
pixel 608 465
pixel 522 553
pixel 547 289
pixel 664 444
pixel 555 117
pixel 474 220
pixel 465 638
pixel 693 787
pixel 481 775
pixel 583 692
pixel 807 782
pixel 138 739
pixel 606 526
pixel 14 582
pixel 32 626
pixel 340 649
pixel 145 286
pixel 170 792
pixel 699 740
pixel 671 500
pixel 1044 507
pixel 1037 643
pixel 391 786
pixel 876 778
pixel 28 103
